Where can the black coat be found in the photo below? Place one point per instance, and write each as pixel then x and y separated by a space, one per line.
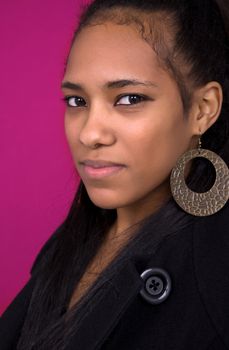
pixel 195 315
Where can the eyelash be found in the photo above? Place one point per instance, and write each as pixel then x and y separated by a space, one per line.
pixel 142 98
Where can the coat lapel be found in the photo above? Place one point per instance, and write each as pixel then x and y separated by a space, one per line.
pixel 99 323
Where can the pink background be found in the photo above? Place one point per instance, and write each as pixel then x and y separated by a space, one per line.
pixel 37 176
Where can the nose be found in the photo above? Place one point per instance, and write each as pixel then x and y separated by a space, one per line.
pixel 97 129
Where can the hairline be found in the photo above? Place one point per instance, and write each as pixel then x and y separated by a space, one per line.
pixel 128 17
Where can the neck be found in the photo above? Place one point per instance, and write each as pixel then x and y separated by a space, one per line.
pixel 129 216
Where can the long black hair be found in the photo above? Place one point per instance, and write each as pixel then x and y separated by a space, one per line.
pixel 199 30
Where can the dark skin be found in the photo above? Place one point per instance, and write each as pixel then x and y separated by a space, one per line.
pixel 138 125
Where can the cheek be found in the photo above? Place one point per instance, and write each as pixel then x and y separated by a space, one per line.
pixel 156 149
pixel 158 140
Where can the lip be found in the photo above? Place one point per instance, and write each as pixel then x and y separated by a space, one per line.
pixel 100 168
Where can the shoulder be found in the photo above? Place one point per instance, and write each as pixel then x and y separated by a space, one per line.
pixel 12 319
pixel 211 241
pixel 211 264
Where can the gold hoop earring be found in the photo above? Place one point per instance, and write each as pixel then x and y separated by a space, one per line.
pixel 206 203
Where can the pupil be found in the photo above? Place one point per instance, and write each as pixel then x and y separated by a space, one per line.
pixel 134 99
pixel 79 101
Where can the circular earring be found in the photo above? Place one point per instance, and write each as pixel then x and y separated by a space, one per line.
pixel 206 203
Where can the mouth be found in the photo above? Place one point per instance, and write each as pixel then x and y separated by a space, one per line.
pixel 100 168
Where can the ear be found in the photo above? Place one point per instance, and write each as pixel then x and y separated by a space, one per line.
pixel 206 107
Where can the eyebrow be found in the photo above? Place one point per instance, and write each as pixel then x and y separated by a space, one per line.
pixel 110 84
pixel 126 82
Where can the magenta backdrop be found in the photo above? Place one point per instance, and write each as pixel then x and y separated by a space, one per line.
pixel 37 177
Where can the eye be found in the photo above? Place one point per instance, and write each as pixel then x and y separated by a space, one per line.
pixel 131 99
pixel 74 101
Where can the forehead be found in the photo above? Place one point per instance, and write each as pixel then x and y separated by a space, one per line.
pixel 107 49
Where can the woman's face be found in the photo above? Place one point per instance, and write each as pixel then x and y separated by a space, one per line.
pixel 124 119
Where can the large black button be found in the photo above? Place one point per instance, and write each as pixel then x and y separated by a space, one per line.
pixel 157 285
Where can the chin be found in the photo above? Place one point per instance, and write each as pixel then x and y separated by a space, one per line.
pixel 105 199
pixel 105 204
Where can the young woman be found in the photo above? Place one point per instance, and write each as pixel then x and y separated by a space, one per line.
pixel 141 261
